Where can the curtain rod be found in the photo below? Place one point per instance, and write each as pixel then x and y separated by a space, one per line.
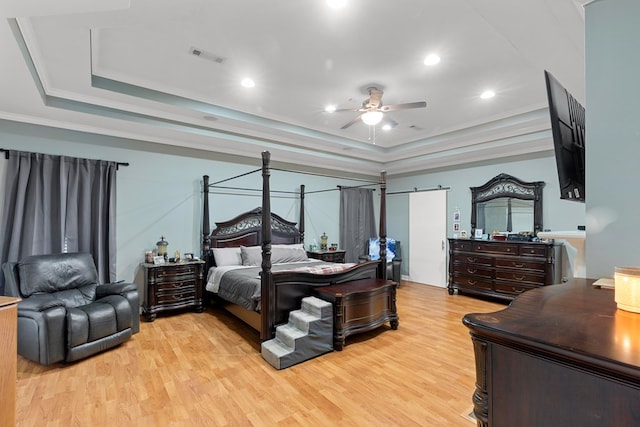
pixel 415 190
pixel 6 156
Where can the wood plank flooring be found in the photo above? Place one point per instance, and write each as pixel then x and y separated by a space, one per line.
pixel 205 369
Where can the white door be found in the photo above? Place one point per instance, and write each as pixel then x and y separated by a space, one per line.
pixel 427 237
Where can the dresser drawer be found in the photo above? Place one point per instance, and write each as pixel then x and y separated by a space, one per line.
pixel 473 259
pixel 512 289
pixel 521 263
pixel 533 251
pixel 472 271
pixel 474 284
pixel 503 248
pixel 461 245
pixel 520 276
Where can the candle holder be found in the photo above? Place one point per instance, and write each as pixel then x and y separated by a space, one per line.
pixel 627 288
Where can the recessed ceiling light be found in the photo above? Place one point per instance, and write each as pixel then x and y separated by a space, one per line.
pixel 431 59
pixel 386 127
pixel 487 94
pixel 330 108
pixel 337 4
pixel 247 82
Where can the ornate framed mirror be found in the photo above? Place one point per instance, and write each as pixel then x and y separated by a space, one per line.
pixel 507 204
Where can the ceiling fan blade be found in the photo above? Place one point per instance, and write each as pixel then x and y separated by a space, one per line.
pixel 342 110
pixel 408 105
pixel 354 121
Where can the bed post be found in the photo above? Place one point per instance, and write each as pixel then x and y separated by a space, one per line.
pixel 301 222
pixel 204 244
pixel 383 226
pixel 267 299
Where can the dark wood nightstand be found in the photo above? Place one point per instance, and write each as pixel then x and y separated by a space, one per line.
pixel 328 256
pixel 359 306
pixel 172 286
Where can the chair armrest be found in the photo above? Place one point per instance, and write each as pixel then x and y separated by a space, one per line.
pixel 115 289
pixel 127 290
pixel 39 303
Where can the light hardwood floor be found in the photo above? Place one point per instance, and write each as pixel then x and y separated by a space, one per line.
pixel 205 369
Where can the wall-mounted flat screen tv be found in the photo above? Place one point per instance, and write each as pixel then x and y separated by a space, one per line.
pixel 568 129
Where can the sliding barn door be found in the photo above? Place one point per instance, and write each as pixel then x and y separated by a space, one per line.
pixel 427 237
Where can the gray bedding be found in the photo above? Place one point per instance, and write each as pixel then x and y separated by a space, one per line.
pixel 242 286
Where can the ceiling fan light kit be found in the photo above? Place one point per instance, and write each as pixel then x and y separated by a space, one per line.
pixel 372 110
pixel 372 118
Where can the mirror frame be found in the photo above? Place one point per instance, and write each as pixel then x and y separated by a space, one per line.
pixel 505 185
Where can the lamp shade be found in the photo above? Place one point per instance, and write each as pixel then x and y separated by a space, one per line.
pixel 627 288
pixel 372 118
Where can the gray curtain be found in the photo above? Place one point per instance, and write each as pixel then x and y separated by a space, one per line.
pixel 357 221
pixel 56 204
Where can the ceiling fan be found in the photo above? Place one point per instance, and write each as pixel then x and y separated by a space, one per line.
pixel 372 110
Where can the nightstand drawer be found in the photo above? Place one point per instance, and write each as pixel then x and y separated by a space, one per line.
pixel 180 296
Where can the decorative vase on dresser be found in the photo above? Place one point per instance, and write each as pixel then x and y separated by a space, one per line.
pixel 172 286
pixel 502 269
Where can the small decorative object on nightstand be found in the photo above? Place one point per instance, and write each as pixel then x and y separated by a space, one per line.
pixel 162 247
pixel 172 286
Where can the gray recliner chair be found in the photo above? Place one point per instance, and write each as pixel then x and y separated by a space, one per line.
pixel 394 264
pixel 65 314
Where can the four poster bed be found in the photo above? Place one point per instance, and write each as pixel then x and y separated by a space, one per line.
pixel 257 265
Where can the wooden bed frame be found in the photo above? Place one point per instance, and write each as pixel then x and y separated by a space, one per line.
pixel 281 292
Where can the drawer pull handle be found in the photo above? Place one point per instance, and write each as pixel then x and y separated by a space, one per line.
pixel 508 250
pixel 518 278
pixel 472 270
pixel 472 282
pixel 517 290
pixel 533 251
pixel 471 259
pixel 518 265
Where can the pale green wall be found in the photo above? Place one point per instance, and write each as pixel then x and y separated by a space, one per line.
pixel 612 135
pixel 558 215
pixel 160 192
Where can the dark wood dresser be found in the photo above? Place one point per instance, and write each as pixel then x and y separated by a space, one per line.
pixel 502 269
pixel 561 355
pixel 328 256
pixel 359 306
pixel 172 286
pixel 9 357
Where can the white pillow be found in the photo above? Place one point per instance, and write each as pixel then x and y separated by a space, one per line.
pixel 227 256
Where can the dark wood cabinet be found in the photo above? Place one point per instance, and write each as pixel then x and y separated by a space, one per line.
pixel 502 269
pixel 359 306
pixel 172 286
pixel 9 357
pixel 560 355
pixel 328 256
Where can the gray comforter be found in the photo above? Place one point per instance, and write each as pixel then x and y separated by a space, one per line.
pixel 242 286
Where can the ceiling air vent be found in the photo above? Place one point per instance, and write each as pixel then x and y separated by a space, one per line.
pixel 206 55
